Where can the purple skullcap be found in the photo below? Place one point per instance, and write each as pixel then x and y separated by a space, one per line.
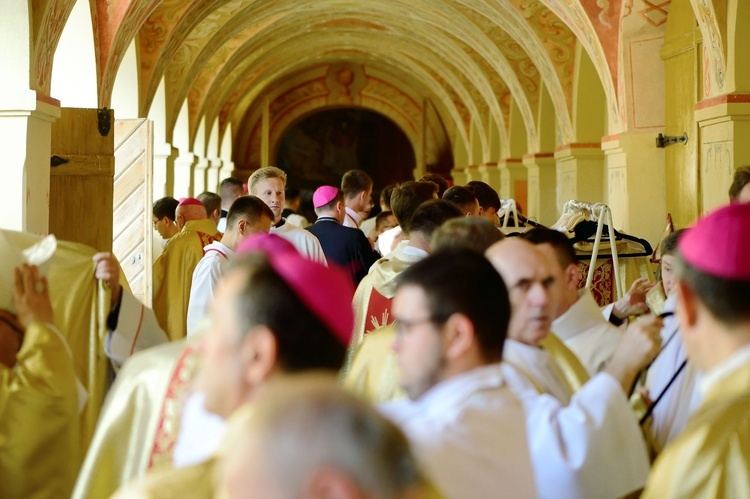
pixel 265 243
pixel 326 291
pixel 324 195
pixel 718 244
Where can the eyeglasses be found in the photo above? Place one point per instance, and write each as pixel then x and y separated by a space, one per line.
pixel 404 325
pixel 155 223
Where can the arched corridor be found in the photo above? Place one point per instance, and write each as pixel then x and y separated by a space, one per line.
pixel 545 100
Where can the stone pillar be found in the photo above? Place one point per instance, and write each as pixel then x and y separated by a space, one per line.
pixel 460 176
pixel 513 182
pixel 580 173
pixel 199 176
pixel 227 170
pixel 212 175
pixel 490 175
pixel 636 184
pixel 724 128
pixel 542 177
pixel 164 158
pixel 183 175
pixel 26 140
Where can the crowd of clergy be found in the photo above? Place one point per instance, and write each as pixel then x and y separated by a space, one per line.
pixel 421 352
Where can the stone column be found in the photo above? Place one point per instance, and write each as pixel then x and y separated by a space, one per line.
pixel 490 175
pixel 26 140
pixel 580 173
pixel 460 176
pixel 513 182
pixel 183 175
pixel 542 176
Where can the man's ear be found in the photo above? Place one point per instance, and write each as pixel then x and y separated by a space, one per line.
pixel 573 275
pixel 242 226
pixel 687 305
pixel 460 335
pixel 258 355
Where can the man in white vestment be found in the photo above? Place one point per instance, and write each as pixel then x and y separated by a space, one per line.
pixel 579 322
pixel 586 444
pixel 248 215
pixel 466 426
pixel 269 184
pixel 670 377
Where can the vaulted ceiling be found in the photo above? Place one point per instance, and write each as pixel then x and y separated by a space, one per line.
pixel 477 62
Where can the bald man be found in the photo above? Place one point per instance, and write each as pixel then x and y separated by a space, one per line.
pixel 173 270
pixel 583 444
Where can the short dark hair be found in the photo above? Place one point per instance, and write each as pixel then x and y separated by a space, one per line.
pixel 740 180
pixel 211 201
pixel 330 204
pixel 385 194
pixel 668 245
pixel 564 251
pixel 438 180
pixel 479 294
pixel 229 184
pixel 474 233
pixel 165 207
pixel 461 197
pixel 250 208
pixel 431 215
pixel 381 217
pixel 407 197
pixel 487 196
pixel 726 299
pixel 303 341
pixel 291 193
pixel 355 181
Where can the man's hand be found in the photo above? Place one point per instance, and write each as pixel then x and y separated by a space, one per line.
pixel 640 344
pixel 32 296
pixel 634 301
pixel 108 270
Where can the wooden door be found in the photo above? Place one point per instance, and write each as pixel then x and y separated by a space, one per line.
pixel 80 198
pixel 132 225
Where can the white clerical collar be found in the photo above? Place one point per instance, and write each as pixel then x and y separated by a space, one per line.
pixel 444 396
pixel 739 359
pixel 354 216
pixel 581 316
pixel 409 254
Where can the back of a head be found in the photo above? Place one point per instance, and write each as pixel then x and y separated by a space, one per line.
pixel 438 180
pixel 165 207
pixel 230 189
pixel 355 181
pixel 385 195
pixel 249 208
pixel 668 245
pixel 291 194
pixel 304 342
pixel 211 201
pixel 712 261
pixel 336 430
pixel 564 251
pixel 190 209
pixel 461 197
pixel 463 281
pixel 407 197
pixel 739 181
pixel 487 196
pixel 265 173
pixel 473 233
pixel 307 424
pixel 431 215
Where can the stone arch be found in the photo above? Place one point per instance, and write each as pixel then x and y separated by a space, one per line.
pixel 125 89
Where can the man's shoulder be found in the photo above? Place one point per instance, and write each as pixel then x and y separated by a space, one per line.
pixel 170 482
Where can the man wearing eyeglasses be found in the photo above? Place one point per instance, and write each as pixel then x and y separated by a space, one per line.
pixel 466 427
pixel 164 217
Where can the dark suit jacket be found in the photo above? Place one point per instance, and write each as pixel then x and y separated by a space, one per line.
pixel 345 246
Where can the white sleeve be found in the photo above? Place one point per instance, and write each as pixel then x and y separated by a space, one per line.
pixel 206 276
pixel 136 330
pixel 591 448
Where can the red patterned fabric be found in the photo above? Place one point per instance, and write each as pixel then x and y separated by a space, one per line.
pixel 603 284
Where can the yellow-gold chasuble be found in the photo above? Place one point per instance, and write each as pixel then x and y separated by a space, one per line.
pixel 711 458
